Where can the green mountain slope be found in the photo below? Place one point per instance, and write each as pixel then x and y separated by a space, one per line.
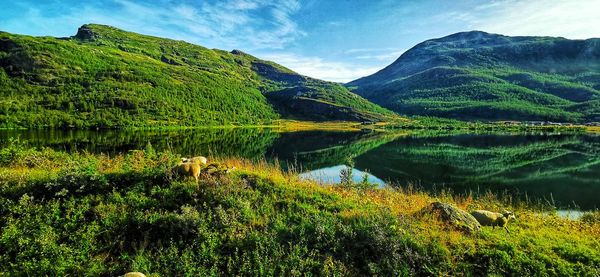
pixel 106 77
pixel 476 75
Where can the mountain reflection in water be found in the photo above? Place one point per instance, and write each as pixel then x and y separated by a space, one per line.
pixel 564 168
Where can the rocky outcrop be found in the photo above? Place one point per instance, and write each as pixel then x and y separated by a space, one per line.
pixel 7 45
pixel 169 60
pixel 308 108
pixel 134 274
pixel 85 33
pixel 271 72
pixel 453 216
pixel 14 60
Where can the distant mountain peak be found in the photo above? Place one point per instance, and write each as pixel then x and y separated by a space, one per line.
pixel 468 39
pixel 475 34
pixel 480 75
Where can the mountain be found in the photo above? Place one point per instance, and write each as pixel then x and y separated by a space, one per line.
pixel 106 77
pixel 482 76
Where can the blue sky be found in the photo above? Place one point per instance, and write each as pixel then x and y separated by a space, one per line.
pixel 336 40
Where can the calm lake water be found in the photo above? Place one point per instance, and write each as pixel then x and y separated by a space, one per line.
pixel 559 168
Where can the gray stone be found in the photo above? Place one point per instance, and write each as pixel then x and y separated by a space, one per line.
pixel 453 216
pixel 134 274
pixel 85 33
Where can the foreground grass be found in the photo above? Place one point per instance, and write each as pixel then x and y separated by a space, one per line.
pixel 83 214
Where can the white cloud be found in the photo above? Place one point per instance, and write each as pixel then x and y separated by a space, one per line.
pixel 320 68
pixel 227 24
pixel 243 24
pixel 368 50
pixel 267 26
pixel 388 56
pixel 574 19
pixel 243 5
pixel 186 12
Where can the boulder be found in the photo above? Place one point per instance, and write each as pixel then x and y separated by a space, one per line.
pixel 217 169
pixel 85 33
pixel 453 216
pixel 134 274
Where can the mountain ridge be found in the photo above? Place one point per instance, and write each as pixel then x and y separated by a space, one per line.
pixel 461 75
pixel 104 77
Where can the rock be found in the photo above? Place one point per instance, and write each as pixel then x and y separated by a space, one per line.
pixel 238 52
pixel 8 45
pixel 134 274
pixel 169 60
pixel 85 33
pixel 453 216
pixel 217 169
pixel 274 73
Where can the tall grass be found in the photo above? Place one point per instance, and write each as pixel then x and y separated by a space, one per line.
pixel 93 214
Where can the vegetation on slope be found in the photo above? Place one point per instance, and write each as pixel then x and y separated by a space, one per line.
pixel 82 214
pixel 106 77
pixel 476 75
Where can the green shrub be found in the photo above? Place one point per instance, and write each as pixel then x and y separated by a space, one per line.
pixel 106 216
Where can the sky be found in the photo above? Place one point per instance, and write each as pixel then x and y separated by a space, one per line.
pixel 334 40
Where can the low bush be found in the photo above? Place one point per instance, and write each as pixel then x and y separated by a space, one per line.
pixel 99 215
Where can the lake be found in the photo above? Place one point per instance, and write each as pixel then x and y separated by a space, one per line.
pixel 563 169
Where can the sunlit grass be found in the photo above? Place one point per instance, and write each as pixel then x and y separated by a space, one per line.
pixel 94 214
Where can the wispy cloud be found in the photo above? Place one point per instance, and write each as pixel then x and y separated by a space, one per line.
pixel 382 56
pixel 332 40
pixel 575 19
pixel 369 50
pixel 247 24
pixel 321 68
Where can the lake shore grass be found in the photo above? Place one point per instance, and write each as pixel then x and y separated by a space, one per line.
pixel 283 125
pixel 298 126
pixel 592 129
pixel 93 214
pixel 416 123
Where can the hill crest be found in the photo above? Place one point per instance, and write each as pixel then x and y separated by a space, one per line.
pixel 104 77
pixel 474 75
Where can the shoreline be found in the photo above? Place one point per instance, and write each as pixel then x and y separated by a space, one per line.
pixel 353 126
pixel 86 214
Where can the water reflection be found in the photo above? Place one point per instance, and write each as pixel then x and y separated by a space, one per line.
pixel 570 214
pixel 239 142
pixel 560 168
pixel 331 175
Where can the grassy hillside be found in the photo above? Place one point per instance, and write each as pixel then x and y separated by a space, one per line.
pixel 106 77
pixel 476 75
pixel 82 214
